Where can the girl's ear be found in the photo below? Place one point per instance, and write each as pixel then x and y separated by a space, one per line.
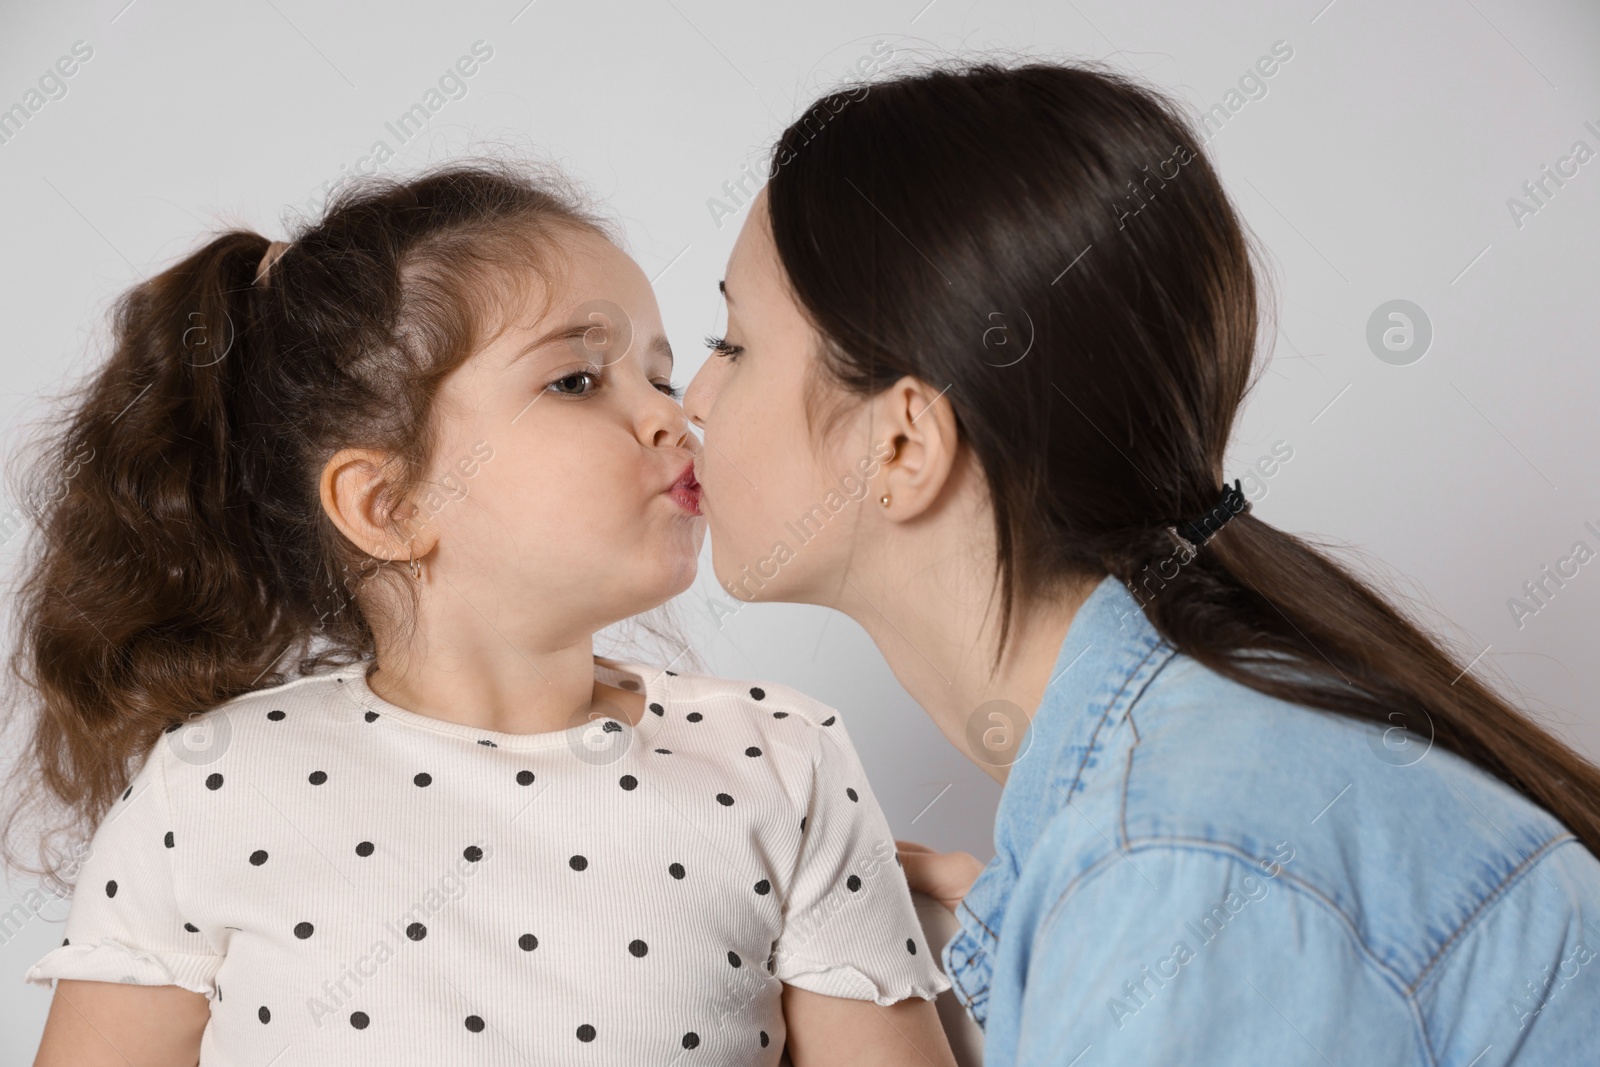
pixel 920 426
pixel 358 495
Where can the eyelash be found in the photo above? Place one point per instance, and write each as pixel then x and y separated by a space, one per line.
pixel 721 347
pixel 667 388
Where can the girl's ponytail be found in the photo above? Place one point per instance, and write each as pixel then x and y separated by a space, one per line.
pixel 148 550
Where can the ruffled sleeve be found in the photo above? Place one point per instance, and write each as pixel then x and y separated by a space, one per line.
pixel 124 924
pixel 850 927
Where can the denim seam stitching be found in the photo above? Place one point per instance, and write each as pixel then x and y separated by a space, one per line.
pixel 1105 716
pixel 979 920
pixel 1127 771
pixel 1494 895
pixel 1231 852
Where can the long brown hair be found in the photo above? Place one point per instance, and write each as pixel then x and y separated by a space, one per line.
pixel 181 554
pixel 1051 241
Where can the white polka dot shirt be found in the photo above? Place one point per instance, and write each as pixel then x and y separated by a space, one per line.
pixel 350 882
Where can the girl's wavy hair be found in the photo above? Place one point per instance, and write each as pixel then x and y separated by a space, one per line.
pixel 180 554
pixel 1048 244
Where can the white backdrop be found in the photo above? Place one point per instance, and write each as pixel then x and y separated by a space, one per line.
pixel 1426 151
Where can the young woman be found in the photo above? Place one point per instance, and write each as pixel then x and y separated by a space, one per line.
pixel 434 436
pixel 1252 813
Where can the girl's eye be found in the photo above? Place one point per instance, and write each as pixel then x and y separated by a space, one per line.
pixel 720 346
pixel 576 376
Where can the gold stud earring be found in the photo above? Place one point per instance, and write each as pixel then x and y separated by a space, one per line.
pixel 884 500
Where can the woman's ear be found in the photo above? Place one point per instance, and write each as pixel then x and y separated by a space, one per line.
pixel 918 423
pixel 358 495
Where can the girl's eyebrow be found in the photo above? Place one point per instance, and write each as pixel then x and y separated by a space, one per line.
pixel 656 346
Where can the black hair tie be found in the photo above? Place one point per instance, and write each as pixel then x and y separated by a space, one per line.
pixel 1200 530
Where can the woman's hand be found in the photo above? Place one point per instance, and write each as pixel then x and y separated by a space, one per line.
pixel 944 876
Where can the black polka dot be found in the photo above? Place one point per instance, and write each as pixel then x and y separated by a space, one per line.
pixel 474 1023
pixel 173 728
pixel 764 1039
pixel 853 883
pixel 611 726
pixel 911 946
pixel 527 942
pixel 364 848
pixel 638 948
pixel 734 960
pixel 111 888
pixel 694 716
pixel 524 777
pixel 758 693
pixel 780 715
pixel 486 743
pixel 64 941
pixel 359 1020
pixel 578 863
pixel 829 720
pixel 802 824
pixel 258 857
pixel 416 931
pixel 724 799
pixel 168 839
pixel 673 673
pixel 213 781
pixel 658 709
pixel 763 887
pixel 676 870
pixel 851 793
pixel 127 792
pixel 691 1039
pixel 191 927
pixel 472 853
pixel 665 751
pixel 752 751
pixel 275 716
pixel 303 930
pixel 423 779
pixel 585 1032
pixel 628 781
pixel 317 777
pixel 371 716
pixel 262 1013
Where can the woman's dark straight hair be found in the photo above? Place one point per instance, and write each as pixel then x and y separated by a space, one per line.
pixel 181 553
pixel 1050 241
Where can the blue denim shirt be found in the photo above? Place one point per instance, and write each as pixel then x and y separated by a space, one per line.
pixel 1189 871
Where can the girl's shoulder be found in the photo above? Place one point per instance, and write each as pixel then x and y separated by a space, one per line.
pixel 296 708
pixel 758 697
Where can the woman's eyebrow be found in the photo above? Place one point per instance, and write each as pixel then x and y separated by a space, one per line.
pixel 722 287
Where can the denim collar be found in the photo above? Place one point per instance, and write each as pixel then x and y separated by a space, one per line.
pixel 1106 645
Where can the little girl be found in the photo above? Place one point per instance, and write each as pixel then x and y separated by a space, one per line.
pixel 420 455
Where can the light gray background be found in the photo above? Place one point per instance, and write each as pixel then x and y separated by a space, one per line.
pixel 1378 166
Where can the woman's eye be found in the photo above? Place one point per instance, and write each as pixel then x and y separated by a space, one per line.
pixel 671 390
pixel 719 346
pixel 578 376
